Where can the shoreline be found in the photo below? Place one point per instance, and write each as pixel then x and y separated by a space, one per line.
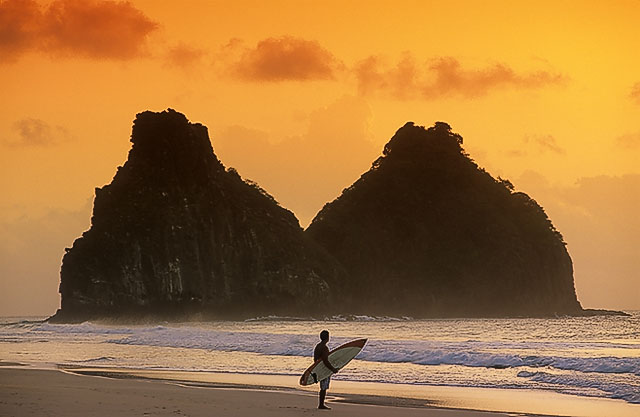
pixel 491 400
pixel 462 401
pixel 36 392
pixel 562 367
pixel 134 317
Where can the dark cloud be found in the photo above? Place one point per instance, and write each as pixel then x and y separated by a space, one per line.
pixel 443 77
pixel 37 133
pixel 284 59
pixel 635 93
pixel 19 25
pixel 87 28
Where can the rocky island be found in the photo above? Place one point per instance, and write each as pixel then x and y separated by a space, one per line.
pixel 176 234
pixel 424 233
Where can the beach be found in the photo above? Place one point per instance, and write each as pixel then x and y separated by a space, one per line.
pixel 29 392
pixel 25 391
pixel 554 367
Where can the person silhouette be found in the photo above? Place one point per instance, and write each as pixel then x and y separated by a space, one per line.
pixel 321 351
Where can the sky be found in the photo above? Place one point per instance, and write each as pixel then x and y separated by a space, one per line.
pixel 301 96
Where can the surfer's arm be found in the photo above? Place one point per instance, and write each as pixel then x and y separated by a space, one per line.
pixel 325 360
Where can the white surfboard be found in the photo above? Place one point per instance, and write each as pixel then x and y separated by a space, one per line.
pixel 338 357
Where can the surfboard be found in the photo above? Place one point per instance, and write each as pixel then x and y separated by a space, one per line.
pixel 338 357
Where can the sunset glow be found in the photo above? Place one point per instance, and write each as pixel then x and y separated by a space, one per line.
pixel 301 96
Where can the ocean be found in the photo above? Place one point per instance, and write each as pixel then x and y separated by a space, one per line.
pixel 580 356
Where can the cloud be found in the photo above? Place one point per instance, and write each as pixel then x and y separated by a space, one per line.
pixel 18 26
pixel 184 56
pixel 312 167
pixel 441 77
pixel 545 143
pixel 628 141
pixel 97 29
pixel 539 144
pixel 37 133
pixel 635 93
pixel 517 153
pixel 284 59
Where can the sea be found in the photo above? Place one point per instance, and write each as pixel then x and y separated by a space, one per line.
pixel 589 357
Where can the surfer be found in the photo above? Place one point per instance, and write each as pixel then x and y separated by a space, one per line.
pixel 322 352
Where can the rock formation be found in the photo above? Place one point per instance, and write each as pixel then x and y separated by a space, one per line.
pixel 426 232
pixel 175 233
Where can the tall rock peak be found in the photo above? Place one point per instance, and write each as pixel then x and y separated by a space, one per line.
pixel 426 232
pixel 167 139
pixel 175 233
pixel 411 139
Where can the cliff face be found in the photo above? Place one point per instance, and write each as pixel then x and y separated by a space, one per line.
pixel 425 232
pixel 176 233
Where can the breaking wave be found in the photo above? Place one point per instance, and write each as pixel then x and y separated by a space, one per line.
pixel 469 353
pixel 605 367
pixel 570 382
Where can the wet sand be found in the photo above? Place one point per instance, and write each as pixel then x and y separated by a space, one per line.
pixel 75 391
pixel 33 392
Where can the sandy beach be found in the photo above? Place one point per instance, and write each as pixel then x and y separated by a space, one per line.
pixel 26 391
pixel 30 392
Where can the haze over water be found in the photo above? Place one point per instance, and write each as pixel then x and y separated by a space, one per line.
pixel 584 356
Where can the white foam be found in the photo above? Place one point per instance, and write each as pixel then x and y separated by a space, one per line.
pixel 564 364
pixel 86 328
pixel 469 353
pixel 572 382
pixel 101 359
pixel 338 318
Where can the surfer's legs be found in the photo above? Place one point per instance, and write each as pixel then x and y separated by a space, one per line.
pixel 323 395
pixel 324 386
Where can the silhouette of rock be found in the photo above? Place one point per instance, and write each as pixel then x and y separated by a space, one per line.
pixel 175 234
pixel 426 232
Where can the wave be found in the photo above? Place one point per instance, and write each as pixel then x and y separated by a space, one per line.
pixel 98 360
pixel 23 324
pixel 616 390
pixel 469 354
pixel 365 318
pixel 90 328
pixel 336 318
pixel 278 318
pixel 460 355
pixel 575 366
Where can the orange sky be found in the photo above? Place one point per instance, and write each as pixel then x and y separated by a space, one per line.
pixel 301 97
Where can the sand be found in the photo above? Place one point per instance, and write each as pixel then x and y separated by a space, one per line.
pixel 33 392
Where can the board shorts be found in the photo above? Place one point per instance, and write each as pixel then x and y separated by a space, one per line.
pixel 324 384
